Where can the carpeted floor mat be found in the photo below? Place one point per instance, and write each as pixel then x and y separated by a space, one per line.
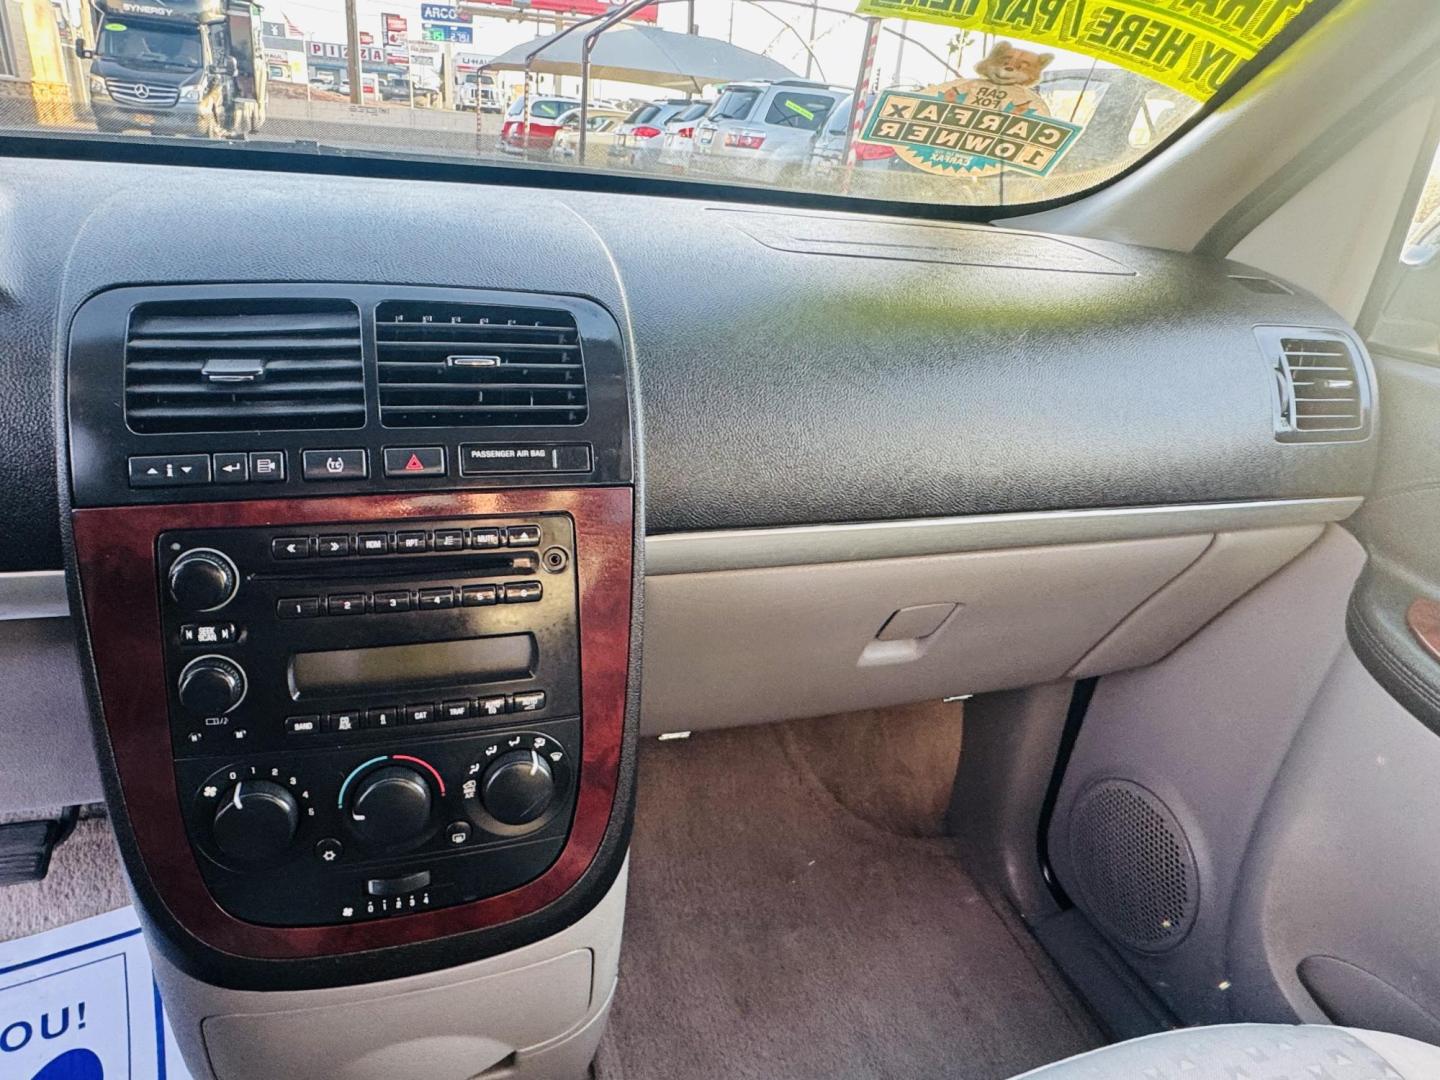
pixel 773 934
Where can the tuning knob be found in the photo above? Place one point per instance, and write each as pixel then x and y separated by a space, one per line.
pixel 212 685
pixel 203 579
pixel 518 788
pixel 390 807
pixel 255 821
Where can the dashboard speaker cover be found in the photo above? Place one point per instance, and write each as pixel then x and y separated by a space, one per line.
pixel 1135 871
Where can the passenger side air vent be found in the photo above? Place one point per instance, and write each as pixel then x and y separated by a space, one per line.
pixel 1322 386
pixel 243 365
pixel 473 365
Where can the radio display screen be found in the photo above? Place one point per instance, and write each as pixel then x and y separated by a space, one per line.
pixel 427 664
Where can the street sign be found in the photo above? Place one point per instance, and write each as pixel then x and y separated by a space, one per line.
pixel 444 13
pixel 459 35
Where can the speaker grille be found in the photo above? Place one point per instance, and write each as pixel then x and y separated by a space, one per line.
pixel 1135 871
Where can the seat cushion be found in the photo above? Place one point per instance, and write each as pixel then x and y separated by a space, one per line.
pixel 1253 1052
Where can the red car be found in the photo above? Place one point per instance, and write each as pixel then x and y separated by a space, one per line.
pixel 516 137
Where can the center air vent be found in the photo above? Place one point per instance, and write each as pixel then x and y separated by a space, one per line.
pixel 243 365
pixel 1322 386
pixel 473 365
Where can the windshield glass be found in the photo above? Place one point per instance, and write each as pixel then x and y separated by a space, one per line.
pixel 985 104
pixel 139 45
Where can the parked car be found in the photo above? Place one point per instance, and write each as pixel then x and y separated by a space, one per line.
pixel 601 126
pixel 764 130
pixel 516 137
pixel 678 142
pixel 642 134
pixel 828 150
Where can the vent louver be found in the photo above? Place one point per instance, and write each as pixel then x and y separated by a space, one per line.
pixel 478 365
pixel 1322 386
pixel 243 365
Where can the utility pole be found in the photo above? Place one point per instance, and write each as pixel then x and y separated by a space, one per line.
pixel 810 52
pixel 352 49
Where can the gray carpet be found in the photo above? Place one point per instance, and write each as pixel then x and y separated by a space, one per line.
pixel 85 879
pixel 772 933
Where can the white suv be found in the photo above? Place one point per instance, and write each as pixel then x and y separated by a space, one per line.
pixel 764 130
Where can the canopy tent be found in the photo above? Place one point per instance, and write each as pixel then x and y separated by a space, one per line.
pixel 645 55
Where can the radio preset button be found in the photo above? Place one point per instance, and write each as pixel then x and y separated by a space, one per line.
pixel 437 598
pixel 297 607
pixel 345 603
pixel 412 541
pixel 302 725
pixel 492 706
pixel 530 701
pixel 455 710
pixel 334 464
pixel 373 543
pixel 523 592
pixel 290 547
pixel 522 535
pixel 449 539
pixel 419 714
pixel 487 538
pixel 478 595
pixel 392 601
pixel 334 546
pixel 384 716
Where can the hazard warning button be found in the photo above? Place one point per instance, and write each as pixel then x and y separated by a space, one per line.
pixel 414 461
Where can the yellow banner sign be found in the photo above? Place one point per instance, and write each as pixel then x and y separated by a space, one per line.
pixel 1191 45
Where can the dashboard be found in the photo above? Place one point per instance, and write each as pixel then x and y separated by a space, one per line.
pixel 358 478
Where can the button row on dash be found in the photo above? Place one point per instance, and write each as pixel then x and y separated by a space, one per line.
pixel 182 470
pixel 398 600
pixel 415 713
pixel 402 542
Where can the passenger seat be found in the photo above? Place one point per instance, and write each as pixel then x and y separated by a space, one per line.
pixel 1253 1052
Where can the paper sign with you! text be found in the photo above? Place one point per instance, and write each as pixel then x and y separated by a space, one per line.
pixel 80 1003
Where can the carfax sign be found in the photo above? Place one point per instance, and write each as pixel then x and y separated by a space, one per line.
pixel 957 137
pixel 1193 46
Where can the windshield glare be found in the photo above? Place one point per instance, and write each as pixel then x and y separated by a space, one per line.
pixel 962 103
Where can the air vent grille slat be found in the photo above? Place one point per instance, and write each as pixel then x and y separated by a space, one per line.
pixel 244 365
pixel 1322 387
pixel 477 365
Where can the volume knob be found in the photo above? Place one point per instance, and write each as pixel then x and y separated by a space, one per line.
pixel 203 579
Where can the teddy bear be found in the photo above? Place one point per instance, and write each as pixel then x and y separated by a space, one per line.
pixel 1006 77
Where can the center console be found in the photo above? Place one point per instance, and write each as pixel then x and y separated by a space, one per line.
pixel 359 580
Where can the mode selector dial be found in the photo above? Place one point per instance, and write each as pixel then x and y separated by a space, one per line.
pixel 255 821
pixel 203 579
pixel 212 685
pixel 518 787
pixel 390 806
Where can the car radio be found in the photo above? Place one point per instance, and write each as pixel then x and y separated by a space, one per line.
pixel 384 714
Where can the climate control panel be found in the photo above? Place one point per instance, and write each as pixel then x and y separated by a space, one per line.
pixel 321 837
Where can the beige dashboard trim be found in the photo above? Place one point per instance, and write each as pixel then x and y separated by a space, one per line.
pixel 33 594
pixel 749 549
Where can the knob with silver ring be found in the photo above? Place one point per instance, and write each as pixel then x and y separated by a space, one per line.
pixel 203 579
pixel 212 685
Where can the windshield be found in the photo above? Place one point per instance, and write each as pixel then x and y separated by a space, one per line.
pixel 143 46
pixel 981 104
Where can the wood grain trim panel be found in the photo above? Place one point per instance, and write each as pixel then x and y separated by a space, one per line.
pixel 115 557
pixel 1423 618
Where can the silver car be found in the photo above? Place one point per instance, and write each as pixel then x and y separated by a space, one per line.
pixel 639 138
pixel 764 131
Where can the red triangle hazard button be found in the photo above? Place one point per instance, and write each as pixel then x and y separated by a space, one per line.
pixel 414 464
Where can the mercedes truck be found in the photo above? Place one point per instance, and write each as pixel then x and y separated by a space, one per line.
pixel 181 67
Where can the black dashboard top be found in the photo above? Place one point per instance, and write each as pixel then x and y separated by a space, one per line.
pixel 794 367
